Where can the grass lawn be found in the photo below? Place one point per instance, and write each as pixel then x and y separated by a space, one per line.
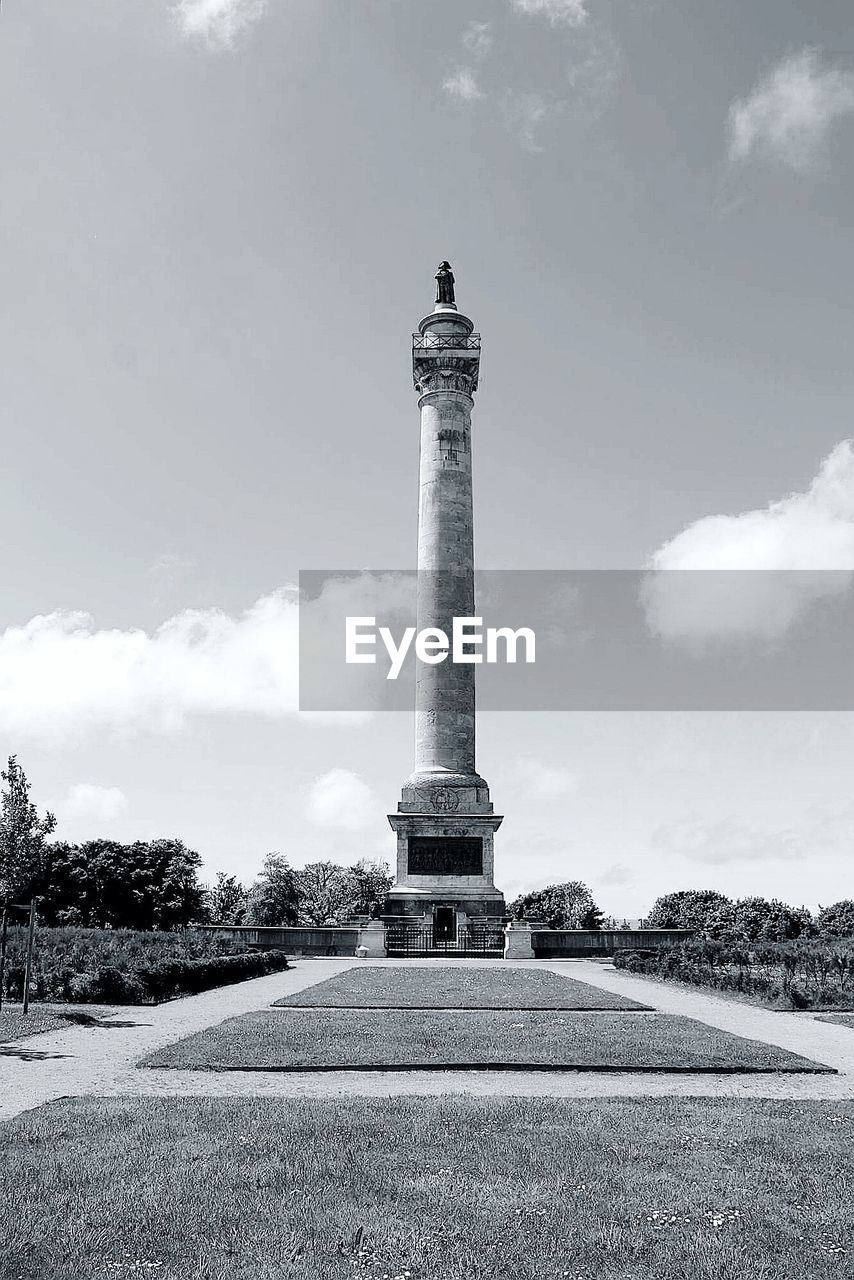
pixel 300 1039
pixel 408 986
pixel 14 1026
pixel 841 1019
pixel 428 1189
pixel 45 1017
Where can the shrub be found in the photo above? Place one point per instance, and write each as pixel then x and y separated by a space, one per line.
pixel 123 967
pixel 798 973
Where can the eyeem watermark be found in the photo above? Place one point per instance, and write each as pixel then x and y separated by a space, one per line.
pixel 609 640
pixel 469 643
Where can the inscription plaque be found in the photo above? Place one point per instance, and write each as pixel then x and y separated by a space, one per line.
pixel 445 856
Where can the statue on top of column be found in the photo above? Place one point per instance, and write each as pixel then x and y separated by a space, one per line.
pixel 445 284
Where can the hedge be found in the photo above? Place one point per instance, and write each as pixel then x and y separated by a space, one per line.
pixel 105 966
pixel 802 973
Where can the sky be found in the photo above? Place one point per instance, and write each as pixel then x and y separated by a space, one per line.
pixel 220 221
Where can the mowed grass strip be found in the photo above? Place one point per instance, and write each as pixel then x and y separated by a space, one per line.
pixel 365 1039
pixel 46 1017
pixel 454 986
pixel 430 1189
pixel 14 1026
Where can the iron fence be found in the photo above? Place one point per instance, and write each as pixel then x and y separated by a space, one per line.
pixel 408 942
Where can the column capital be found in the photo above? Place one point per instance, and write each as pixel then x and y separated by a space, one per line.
pixel 445 354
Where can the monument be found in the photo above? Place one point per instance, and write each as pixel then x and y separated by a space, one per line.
pixel 445 824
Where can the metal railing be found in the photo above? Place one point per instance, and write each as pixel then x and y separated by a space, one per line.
pixel 408 942
pixel 445 341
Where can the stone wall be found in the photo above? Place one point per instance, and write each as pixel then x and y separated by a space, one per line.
pixel 298 940
pixel 555 944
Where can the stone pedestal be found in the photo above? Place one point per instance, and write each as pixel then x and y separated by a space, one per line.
pixel 372 944
pixel 518 944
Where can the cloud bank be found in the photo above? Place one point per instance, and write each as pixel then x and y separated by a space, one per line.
pixel 62 678
pixel 788 115
pixel 804 543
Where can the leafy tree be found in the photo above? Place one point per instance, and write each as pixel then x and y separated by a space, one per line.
pixel 369 882
pixel 274 897
pixel 23 834
pixel 169 893
pixel 688 909
pixel 326 893
pixel 764 920
pixel 837 920
pixel 108 885
pixel 720 924
pixel 226 900
pixel 561 906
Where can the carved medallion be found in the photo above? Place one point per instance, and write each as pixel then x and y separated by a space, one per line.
pixel 444 800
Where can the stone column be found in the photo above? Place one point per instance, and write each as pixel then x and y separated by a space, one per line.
pixel 445 823
pixel 446 361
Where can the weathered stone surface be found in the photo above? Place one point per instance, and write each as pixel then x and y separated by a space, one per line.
pixel 445 804
pixel 518 941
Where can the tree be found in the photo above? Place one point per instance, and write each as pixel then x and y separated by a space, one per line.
pixel 688 909
pixel 226 900
pixel 369 882
pixel 325 893
pixel 764 920
pixel 561 906
pixel 274 897
pixel 837 920
pixel 23 834
pixel 103 884
pixel 169 893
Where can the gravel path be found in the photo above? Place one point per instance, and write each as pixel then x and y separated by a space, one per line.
pixel 100 1061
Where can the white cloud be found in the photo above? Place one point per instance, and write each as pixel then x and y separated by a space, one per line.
pixel 217 22
pixel 341 799
pixel 593 69
pixel 86 802
pixel 61 677
pixel 477 38
pixel 824 833
pixel 617 874
pixel 544 782
pixel 524 113
pixel 788 115
pixel 804 544
pixel 570 13
pixel 463 85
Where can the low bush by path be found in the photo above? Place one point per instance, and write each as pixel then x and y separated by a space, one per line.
pixel 453 986
pixel 365 1039
pixel 428 1189
pixel 803 973
pixel 123 966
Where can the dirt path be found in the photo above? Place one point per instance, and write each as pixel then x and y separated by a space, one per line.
pixel 100 1061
